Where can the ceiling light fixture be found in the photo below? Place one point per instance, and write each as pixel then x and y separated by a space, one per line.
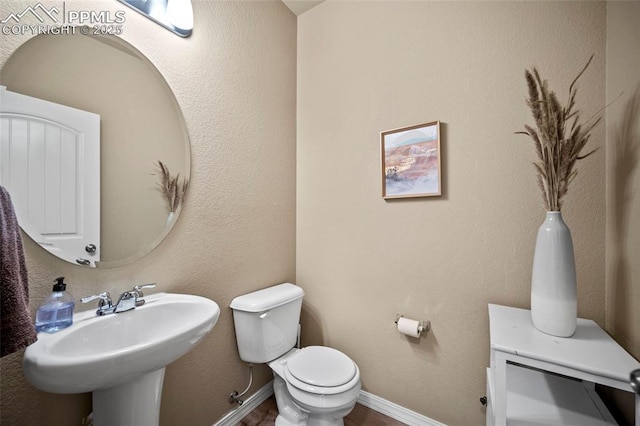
pixel 174 15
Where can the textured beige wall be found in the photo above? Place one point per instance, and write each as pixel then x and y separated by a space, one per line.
pixel 623 184
pixel 363 67
pixel 623 174
pixel 234 79
pixel 366 67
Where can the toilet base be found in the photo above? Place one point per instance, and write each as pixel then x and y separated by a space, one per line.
pixel 292 414
pixel 288 413
pixel 281 421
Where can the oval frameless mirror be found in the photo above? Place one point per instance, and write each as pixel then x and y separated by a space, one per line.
pixel 139 173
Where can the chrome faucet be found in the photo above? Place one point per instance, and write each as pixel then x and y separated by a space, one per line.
pixel 127 300
pixel 139 295
pixel 105 305
pixel 132 298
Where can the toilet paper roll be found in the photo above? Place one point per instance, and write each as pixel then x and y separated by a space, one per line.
pixel 409 327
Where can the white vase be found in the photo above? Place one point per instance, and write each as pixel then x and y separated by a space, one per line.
pixel 554 305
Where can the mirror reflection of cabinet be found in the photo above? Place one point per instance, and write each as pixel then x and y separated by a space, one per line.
pixel 141 124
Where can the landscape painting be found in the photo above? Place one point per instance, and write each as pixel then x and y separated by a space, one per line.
pixel 411 161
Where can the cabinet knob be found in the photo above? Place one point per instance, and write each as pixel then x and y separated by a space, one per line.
pixel 635 380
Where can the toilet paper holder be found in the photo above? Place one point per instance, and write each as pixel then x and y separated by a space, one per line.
pixel 423 326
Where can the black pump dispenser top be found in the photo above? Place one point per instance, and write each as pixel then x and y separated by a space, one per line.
pixel 60 285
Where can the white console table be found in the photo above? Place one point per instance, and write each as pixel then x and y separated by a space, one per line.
pixel 536 378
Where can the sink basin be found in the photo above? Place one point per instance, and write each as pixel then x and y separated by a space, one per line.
pixel 117 354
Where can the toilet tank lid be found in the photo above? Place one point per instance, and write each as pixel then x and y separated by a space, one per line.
pixel 268 298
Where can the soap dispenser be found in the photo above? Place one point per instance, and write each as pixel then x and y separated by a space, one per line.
pixel 56 312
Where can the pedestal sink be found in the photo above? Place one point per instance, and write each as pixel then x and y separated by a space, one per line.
pixel 121 358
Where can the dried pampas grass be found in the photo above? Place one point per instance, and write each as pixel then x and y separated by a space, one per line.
pixel 170 187
pixel 559 137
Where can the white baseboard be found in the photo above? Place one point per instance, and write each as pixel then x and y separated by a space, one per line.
pixel 234 417
pixel 376 403
pixel 395 411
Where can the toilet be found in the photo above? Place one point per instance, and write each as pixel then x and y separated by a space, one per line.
pixel 313 386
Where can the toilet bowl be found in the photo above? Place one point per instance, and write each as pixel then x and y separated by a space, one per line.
pixel 313 386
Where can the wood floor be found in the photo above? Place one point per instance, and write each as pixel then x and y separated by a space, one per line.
pixel 265 415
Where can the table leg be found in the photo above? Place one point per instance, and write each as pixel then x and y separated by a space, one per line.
pixel 500 401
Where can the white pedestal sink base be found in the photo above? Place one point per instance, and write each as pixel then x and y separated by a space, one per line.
pixel 97 351
pixel 131 404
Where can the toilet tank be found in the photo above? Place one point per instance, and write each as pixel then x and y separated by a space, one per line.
pixel 266 322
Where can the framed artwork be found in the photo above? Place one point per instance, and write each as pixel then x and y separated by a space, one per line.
pixel 411 161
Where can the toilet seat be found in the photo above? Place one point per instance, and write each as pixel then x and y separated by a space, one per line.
pixel 321 370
